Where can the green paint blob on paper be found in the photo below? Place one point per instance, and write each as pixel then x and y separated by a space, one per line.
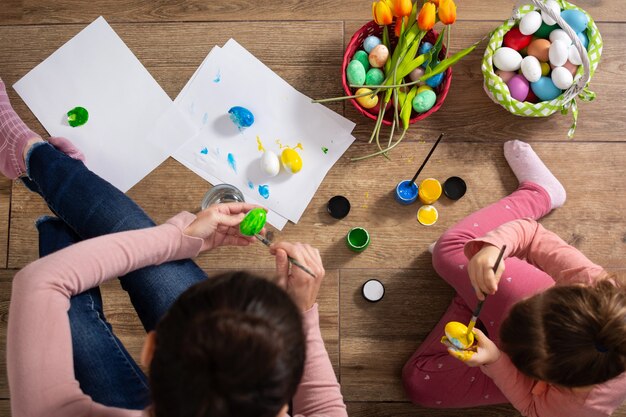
pixel 253 222
pixel 324 149
pixel 78 116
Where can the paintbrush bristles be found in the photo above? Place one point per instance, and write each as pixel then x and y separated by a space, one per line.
pixel 427 157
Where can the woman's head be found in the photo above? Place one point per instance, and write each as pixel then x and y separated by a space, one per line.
pixel 571 335
pixel 229 346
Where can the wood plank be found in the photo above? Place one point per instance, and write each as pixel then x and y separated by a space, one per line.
pixel 380 409
pixel 5 408
pixel 5 205
pixel 397 238
pixel 468 114
pixel 121 314
pixel 73 11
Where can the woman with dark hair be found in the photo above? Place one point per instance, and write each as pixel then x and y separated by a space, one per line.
pixel 234 345
pixel 556 320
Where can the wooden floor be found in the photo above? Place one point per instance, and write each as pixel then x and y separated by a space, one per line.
pixel 303 42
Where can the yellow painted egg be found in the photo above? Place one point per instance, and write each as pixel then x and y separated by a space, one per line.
pixel 545 68
pixel 457 335
pixel 424 88
pixel 367 102
pixel 291 160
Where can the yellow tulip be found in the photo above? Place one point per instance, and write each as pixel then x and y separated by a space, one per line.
pixel 426 17
pixel 382 13
pixel 402 8
pixel 447 12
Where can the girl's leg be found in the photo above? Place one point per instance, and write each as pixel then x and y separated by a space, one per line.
pixel 102 366
pixel 538 193
pixel 92 207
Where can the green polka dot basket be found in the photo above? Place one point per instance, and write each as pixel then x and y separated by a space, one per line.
pixel 566 102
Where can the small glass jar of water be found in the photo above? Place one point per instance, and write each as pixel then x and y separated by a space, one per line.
pixel 222 193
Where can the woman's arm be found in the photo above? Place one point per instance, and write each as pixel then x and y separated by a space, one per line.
pixel 39 347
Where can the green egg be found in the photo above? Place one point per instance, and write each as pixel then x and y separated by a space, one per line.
pixel 361 56
pixel 544 30
pixel 253 222
pixel 355 73
pixel 424 101
pixel 374 76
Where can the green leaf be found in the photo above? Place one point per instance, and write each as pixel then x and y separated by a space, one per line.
pixel 448 62
pixel 434 52
pixel 407 107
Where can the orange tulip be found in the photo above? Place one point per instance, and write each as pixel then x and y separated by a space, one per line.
pixel 435 1
pixel 382 13
pixel 399 24
pixel 447 12
pixel 426 17
pixel 402 8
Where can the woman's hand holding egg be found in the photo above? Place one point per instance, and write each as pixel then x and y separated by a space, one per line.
pixel 480 269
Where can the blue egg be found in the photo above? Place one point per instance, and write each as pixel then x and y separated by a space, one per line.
pixel 583 39
pixel 424 47
pixel 545 89
pixel 435 80
pixel 370 43
pixel 576 19
pixel 241 117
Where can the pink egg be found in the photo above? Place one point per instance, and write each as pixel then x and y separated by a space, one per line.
pixel 571 67
pixel 378 56
pixel 518 87
pixel 505 75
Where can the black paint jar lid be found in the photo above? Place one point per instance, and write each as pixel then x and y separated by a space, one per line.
pixel 338 207
pixel 454 188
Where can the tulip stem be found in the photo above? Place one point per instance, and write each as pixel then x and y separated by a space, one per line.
pixel 360 158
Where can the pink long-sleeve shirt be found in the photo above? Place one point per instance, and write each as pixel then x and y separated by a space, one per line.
pixel 527 239
pixel 39 346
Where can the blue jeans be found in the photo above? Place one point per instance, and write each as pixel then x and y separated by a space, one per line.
pixel 87 206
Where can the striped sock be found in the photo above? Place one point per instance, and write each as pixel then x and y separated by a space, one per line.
pixel 14 135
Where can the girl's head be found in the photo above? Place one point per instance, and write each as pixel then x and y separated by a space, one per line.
pixel 229 346
pixel 571 335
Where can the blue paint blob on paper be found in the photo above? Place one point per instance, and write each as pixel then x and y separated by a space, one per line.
pixel 264 190
pixel 205 118
pixel 192 108
pixel 218 77
pixel 251 185
pixel 204 151
pixel 241 117
pixel 231 162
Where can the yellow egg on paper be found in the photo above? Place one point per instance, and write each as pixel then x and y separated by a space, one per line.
pixel 291 160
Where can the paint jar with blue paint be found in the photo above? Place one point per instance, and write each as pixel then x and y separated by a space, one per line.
pixel 406 192
pixel 222 193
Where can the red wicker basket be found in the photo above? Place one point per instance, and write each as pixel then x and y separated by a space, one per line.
pixel 372 28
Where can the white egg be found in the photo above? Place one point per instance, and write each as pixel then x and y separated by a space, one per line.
pixel 558 53
pixel 531 68
pixel 507 59
pixel 562 78
pixel 574 56
pixel 554 6
pixel 560 35
pixel 270 164
pixel 530 23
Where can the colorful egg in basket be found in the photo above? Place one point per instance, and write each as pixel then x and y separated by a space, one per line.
pixel 356 44
pixel 572 46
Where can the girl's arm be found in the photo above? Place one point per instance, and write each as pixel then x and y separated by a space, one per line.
pixel 527 239
pixel 319 392
pixel 39 345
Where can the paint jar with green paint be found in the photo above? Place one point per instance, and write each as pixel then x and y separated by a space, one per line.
pixel 358 239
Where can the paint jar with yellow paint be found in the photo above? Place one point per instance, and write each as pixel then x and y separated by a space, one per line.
pixel 429 191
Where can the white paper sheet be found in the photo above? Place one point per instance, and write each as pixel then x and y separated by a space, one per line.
pixel 133 125
pixel 231 76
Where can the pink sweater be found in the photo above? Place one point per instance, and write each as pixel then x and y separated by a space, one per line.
pixel 39 347
pixel 527 239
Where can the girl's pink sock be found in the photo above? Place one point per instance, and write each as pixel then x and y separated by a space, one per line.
pixel 527 166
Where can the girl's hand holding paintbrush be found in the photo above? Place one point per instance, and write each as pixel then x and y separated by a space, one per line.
pixel 482 276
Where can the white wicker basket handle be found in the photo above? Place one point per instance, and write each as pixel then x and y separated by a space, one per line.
pixel 581 82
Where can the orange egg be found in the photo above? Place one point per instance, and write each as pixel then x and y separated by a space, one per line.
pixel 539 48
